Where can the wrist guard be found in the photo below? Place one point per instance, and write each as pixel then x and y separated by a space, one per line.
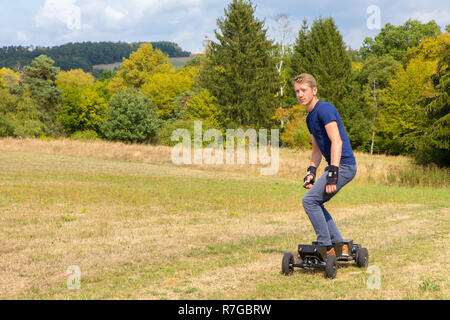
pixel 332 176
pixel 311 172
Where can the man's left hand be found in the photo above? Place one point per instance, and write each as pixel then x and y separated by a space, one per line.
pixel 332 179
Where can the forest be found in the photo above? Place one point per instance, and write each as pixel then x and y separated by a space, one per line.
pixel 392 93
pixel 83 55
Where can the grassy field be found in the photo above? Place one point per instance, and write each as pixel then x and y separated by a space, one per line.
pixel 139 227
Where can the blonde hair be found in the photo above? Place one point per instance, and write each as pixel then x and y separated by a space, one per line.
pixel 306 78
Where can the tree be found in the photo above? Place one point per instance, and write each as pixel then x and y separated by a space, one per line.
pixel 283 32
pixel 395 41
pixel 40 81
pixel 433 48
pixel 131 118
pixel 374 77
pixel 140 68
pixel 407 96
pixel 199 105
pixel 434 142
pixel 163 87
pixel 82 109
pixel 9 78
pixel 321 52
pixel 76 78
pixel 403 114
pixel 19 116
pixel 82 55
pixel 239 70
pixel 84 103
pixel 296 134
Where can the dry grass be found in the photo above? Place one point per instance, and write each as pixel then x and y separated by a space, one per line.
pixel 293 164
pixel 141 228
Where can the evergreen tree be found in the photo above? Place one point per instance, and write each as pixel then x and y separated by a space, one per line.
pixel 321 52
pixel 434 144
pixel 240 70
pixel 131 118
pixel 40 80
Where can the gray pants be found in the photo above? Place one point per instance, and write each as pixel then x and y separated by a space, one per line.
pixel 324 226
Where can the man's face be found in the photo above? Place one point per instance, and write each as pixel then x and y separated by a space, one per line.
pixel 305 94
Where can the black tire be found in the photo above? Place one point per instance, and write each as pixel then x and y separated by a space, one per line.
pixel 286 265
pixel 362 258
pixel 331 268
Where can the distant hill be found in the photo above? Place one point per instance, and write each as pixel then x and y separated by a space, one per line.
pixel 82 55
pixel 176 62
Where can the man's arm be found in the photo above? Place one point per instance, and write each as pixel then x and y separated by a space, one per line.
pixel 336 149
pixel 316 156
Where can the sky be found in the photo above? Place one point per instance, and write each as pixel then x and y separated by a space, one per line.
pixel 186 22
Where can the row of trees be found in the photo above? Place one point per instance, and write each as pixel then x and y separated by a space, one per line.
pixel 392 94
pixel 138 103
pixel 82 55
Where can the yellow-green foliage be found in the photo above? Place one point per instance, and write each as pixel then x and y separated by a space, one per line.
pixel 357 65
pixel 163 87
pixel 296 132
pixel 405 97
pixel 77 78
pixel 140 68
pixel 203 106
pixel 429 49
pixel 84 104
pixel 19 116
pixel 8 78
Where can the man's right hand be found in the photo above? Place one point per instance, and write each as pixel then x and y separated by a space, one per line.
pixel 308 185
pixel 310 178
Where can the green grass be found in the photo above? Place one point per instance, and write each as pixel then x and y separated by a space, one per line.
pixel 156 231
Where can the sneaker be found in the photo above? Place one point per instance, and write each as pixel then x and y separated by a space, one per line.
pixel 331 252
pixel 345 250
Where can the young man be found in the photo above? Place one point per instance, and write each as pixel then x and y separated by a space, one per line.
pixel 330 140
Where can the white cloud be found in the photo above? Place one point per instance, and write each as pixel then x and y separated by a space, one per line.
pixel 441 17
pixel 117 14
pixel 114 17
pixel 57 12
pixel 186 22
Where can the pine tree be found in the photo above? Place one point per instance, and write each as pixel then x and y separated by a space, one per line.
pixel 240 69
pixel 434 144
pixel 40 80
pixel 321 52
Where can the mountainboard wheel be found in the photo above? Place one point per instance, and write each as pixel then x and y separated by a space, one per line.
pixel 331 267
pixel 362 258
pixel 286 265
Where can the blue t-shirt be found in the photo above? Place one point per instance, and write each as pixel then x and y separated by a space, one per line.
pixel 322 114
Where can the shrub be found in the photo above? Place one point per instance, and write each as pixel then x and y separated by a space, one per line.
pixel 131 118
